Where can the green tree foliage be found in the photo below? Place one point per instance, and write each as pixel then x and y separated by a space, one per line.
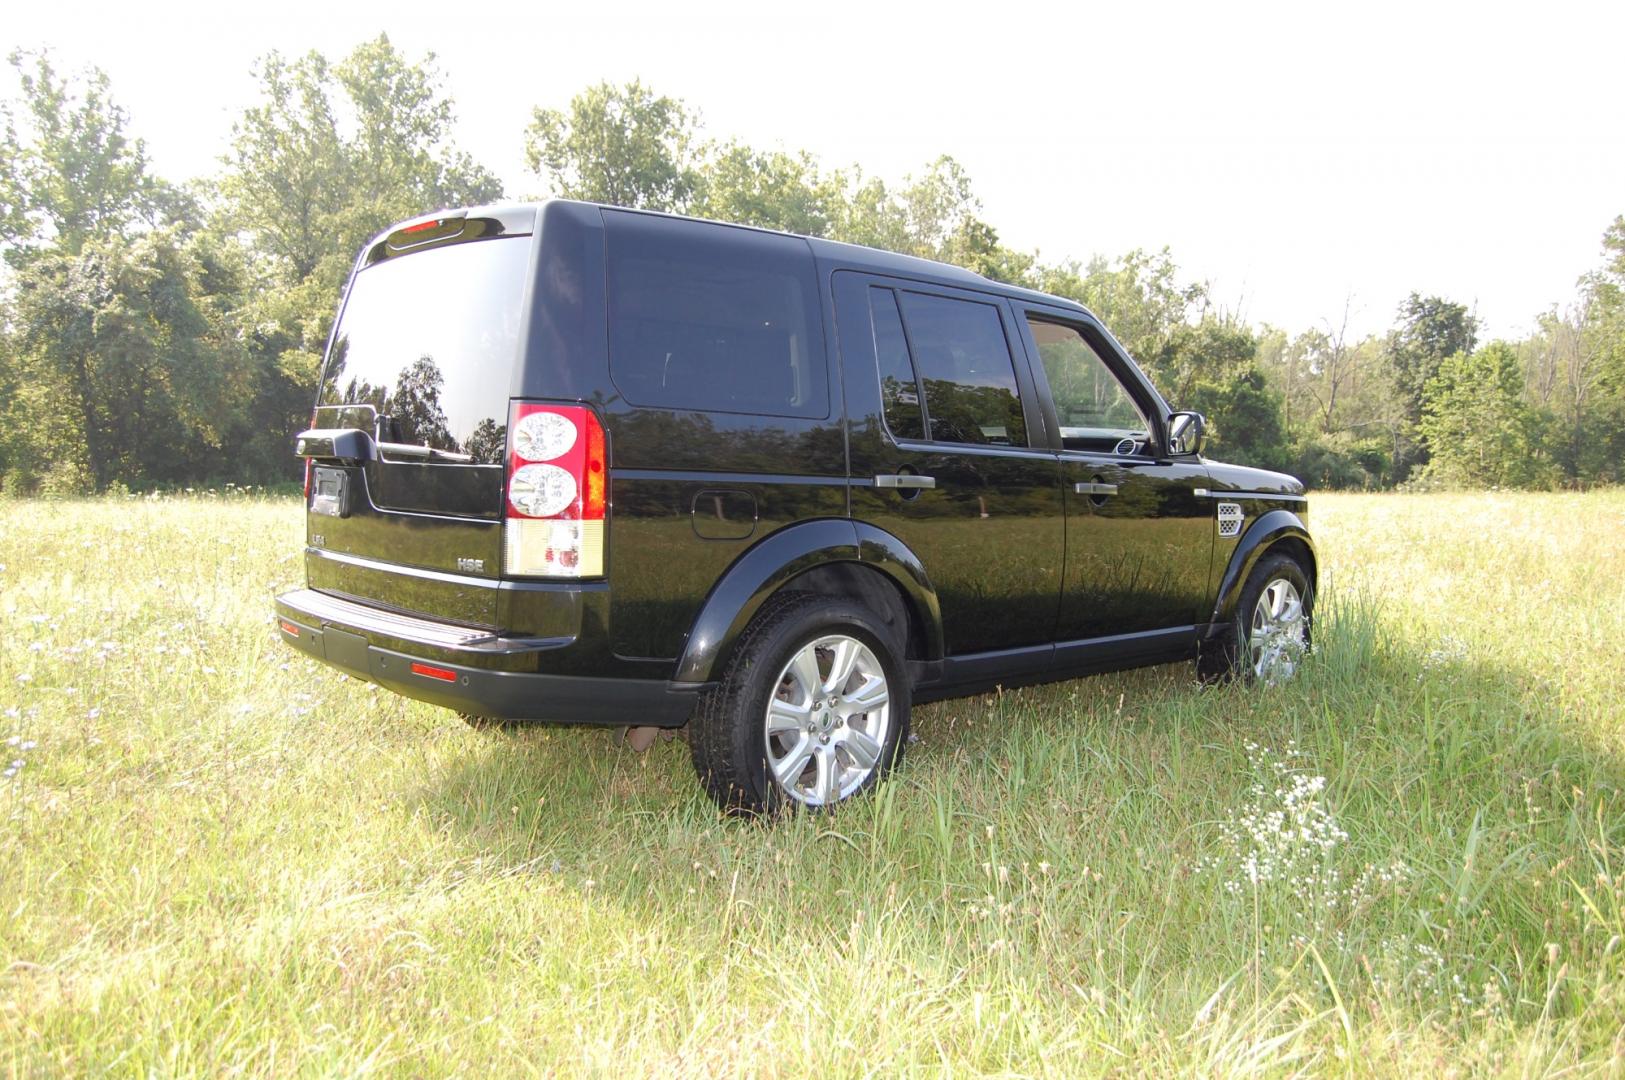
pixel 1476 424
pixel 620 145
pixel 770 189
pixel 126 369
pixel 68 170
pixel 1430 330
pixel 333 153
pixel 1246 412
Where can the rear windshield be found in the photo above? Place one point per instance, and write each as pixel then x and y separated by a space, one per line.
pixel 426 347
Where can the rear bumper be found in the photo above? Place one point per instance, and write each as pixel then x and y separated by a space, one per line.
pixel 470 671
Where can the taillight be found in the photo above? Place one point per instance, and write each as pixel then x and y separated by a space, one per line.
pixel 557 483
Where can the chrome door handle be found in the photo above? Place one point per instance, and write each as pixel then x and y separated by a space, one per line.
pixel 1087 488
pixel 905 480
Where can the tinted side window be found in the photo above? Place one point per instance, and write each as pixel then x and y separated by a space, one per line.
pixel 899 392
pixel 1095 411
pixel 964 360
pixel 713 318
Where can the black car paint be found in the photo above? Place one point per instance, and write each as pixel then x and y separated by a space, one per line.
pixel 711 513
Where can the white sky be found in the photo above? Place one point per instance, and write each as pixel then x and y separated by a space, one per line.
pixel 1290 154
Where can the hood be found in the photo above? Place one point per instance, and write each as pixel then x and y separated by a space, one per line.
pixel 1244 478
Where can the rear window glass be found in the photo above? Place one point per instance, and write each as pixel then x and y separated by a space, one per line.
pixel 899 392
pixel 964 361
pixel 426 346
pixel 712 318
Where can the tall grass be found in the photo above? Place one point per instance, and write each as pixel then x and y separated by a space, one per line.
pixel 219 858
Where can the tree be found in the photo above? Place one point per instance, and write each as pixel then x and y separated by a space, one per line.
pixel 772 190
pixel 1332 362
pixel 1430 329
pixel 334 153
pixel 621 145
pixel 69 171
pixel 1477 426
pixel 1245 416
pixel 128 373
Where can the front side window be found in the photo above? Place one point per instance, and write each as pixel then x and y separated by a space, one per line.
pixel 964 362
pixel 1095 410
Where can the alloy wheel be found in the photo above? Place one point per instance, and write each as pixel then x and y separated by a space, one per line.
pixel 1278 636
pixel 827 720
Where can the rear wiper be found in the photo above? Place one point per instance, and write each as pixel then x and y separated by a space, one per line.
pixel 427 453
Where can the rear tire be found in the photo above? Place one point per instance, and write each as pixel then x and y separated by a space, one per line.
pixel 1271 630
pixel 811 710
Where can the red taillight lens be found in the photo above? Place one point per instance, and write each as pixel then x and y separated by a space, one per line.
pixel 558 491
pixel 422 226
pixel 307 481
pixel 567 442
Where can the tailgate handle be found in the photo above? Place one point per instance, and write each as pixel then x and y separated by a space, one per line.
pixel 1096 488
pixel 909 481
pixel 423 453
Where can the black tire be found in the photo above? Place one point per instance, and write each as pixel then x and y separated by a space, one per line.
pixel 728 735
pixel 1227 656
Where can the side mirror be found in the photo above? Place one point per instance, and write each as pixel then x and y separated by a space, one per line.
pixel 1185 431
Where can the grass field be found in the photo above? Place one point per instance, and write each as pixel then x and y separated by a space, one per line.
pixel 217 858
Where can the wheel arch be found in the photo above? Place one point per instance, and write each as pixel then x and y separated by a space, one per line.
pixel 1275 530
pixel 833 556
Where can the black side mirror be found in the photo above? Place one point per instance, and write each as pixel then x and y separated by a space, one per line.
pixel 1185 431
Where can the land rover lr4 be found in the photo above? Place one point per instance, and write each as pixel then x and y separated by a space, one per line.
pixel 587 465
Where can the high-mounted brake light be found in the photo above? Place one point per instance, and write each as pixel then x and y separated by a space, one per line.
pixel 557 492
pixel 422 226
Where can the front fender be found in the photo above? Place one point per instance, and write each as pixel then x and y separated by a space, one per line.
pixel 769 565
pixel 1269 529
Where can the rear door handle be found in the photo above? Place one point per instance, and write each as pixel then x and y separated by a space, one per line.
pixel 1087 488
pixel 905 480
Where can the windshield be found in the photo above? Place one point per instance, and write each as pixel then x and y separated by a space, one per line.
pixel 426 347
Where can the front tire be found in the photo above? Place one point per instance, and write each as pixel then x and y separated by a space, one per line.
pixel 812 708
pixel 1267 639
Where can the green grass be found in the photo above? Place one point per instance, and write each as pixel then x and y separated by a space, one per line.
pixel 219 858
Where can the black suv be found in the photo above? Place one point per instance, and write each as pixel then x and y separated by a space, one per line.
pixel 588 465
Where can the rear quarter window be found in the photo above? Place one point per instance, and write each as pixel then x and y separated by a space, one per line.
pixel 711 318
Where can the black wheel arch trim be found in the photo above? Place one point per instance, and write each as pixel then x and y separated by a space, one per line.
pixel 775 560
pixel 1268 531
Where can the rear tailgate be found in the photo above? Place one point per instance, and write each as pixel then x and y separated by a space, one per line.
pixel 423 360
